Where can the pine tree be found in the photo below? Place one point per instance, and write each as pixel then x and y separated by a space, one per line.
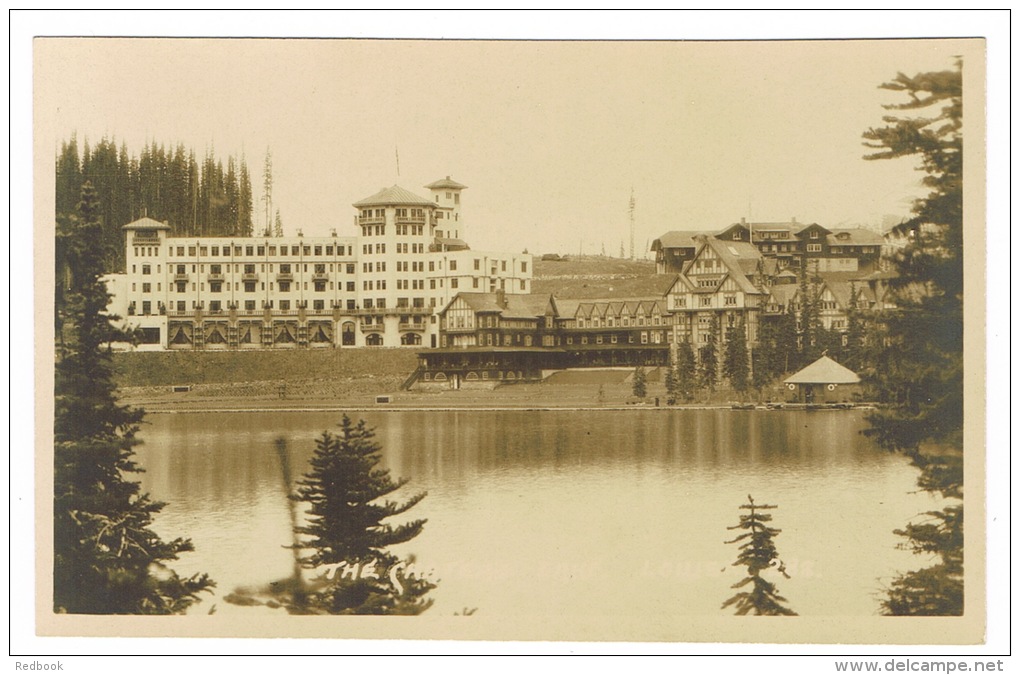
pixel 757 553
pixel 639 382
pixel 669 380
pixel 735 366
pixel 708 360
pixel 345 525
pixel 244 210
pixel 686 370
pixel 107 560
pixel 853 347
pixel 919 374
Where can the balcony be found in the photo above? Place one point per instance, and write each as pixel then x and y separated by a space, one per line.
pixel 371 220
pixel 320 276
pixel 285 276
pixel 414 220
pixel 371 327
pixel 411 326
pixel 249 276
pixel 217 276
pixel 181 277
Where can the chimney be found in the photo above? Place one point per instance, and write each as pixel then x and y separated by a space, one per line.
pixel 793 219
pixel 501 298
pixel 743 221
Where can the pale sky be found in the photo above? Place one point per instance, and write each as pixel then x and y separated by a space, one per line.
pixel 549 137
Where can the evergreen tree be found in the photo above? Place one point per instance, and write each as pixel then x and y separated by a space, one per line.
pixel 671 384
pixel 107 560
pixel 686 370
pixel 639 385
pixel 808 321
pixel 765 358
pixel 920 372
pixel 244 203
pixel 346 525
pixel 853 349
pixel 278 225
pixel 735 366
pixel 708 360
pixel 757 554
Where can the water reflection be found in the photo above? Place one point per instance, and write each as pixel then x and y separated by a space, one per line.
pixel 542 513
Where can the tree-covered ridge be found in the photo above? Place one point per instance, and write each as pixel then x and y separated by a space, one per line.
pixel 199 197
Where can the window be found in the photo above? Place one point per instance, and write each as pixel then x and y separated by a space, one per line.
pixel 215 306
pixel 453 283
pixel 285 287
pixel 146 288
pixel 320 286
pixel 736 236
pixel 814 248
pixel 146 269
pixel 318 250
pixel 182 286
pixel 215 286
pixel 706 301
pixel 350 286
pixel 478 264
pixel 249 305
pixel 146 307
pixel 814 234
pixel 730 300
pixel 249 287
pixel 262 250
pixel 285 304
pixel 453 265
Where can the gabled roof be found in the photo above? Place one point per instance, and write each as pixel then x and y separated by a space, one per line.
pixel 824 371
pixel 393 196
pixel 740 258
pixel 446 184
pixel 676 239
pixel 145 224
pixel 857 236
pixel 518 306
pixel 783 294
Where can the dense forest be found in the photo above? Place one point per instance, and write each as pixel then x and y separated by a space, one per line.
pixel 195 197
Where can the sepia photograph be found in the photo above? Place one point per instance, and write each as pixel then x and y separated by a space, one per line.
pixel 558 340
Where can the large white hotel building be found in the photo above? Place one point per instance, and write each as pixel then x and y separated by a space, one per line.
pixel 382 287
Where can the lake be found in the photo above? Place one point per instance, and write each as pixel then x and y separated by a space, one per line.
pixel 538 513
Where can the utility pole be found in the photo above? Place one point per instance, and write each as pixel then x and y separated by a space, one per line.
pixel 630 211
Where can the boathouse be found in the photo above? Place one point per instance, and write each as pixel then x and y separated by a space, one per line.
pixel 824 381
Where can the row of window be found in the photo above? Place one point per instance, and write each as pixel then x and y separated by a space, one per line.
pixel 260 250
pixel 613 322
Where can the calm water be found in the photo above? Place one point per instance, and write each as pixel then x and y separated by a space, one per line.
pixel 554 513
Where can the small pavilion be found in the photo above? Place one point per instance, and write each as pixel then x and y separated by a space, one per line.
pixel 824 381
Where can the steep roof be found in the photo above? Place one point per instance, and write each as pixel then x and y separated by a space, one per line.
pixel 145 224
pixel 824 371
pixel 518 306
pixel 783 293
pixel 676 239
pixel 857 236
pixel 740 257
pixel 446 184
pixel 393 196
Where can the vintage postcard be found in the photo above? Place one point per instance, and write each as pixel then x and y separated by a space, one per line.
pixel 628 341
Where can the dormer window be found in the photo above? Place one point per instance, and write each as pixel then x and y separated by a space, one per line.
pixel 736 236
pixel 814 234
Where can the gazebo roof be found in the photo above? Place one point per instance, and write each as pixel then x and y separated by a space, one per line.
pixel 824 371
